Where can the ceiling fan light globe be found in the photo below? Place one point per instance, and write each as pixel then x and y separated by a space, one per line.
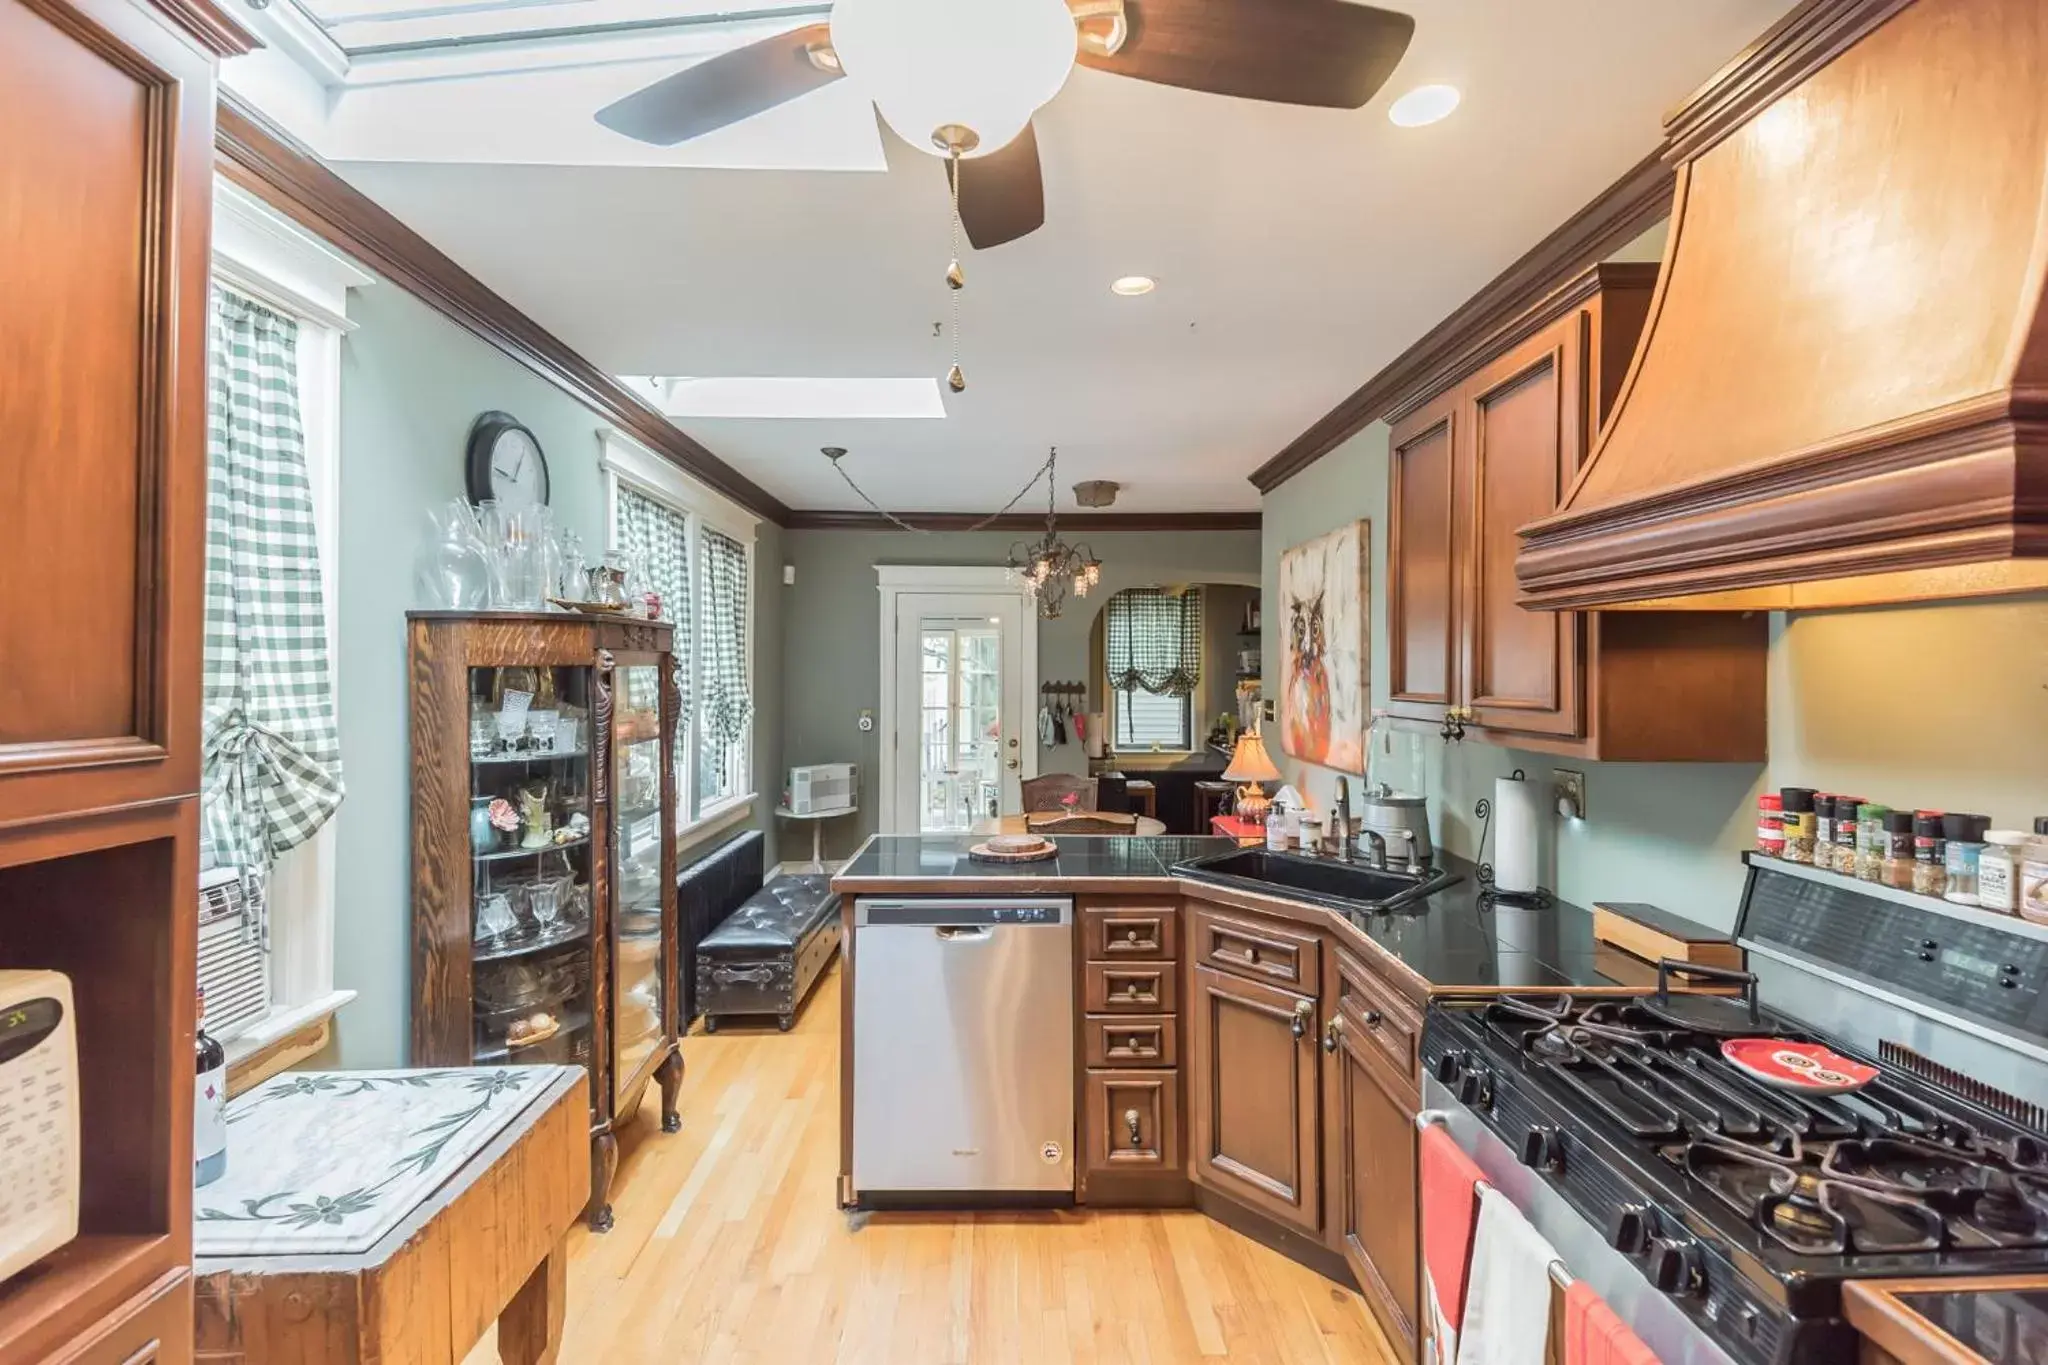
pixel 986 65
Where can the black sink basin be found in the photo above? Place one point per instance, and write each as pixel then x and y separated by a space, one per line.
pixel 1353 884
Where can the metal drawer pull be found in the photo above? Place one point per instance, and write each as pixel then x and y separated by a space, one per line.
pixel 147 1354
pixel 1303 1012
pixel 1330 1034
pixel 1131 988
pixel 1131 1122
pixel 1372 1018
pixel 1130 935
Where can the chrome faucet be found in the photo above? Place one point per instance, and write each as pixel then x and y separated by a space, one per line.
pixel 1379 848
pixel 1340 819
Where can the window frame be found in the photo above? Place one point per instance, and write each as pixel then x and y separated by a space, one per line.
pixel 1117 702
pixel 265 256
pixel 628 464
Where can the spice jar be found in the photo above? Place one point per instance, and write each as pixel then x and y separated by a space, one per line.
pixel 1798 821
pixel 1824 829
pixel 1844 859
pixel 1898 850
pixel 1964 836
pixel 1998 869
pixel 1770 828
pixel 2034 877
pixel 1930 849
pixel 1870 841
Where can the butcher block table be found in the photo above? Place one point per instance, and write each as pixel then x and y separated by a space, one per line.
pixel 391 1216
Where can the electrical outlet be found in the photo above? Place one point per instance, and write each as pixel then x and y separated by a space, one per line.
pixel 1269 711
pixel 1569 789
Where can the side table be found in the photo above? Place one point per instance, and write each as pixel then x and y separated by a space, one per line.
pixel 817 823
pixel 1235 827
pixel 485 1242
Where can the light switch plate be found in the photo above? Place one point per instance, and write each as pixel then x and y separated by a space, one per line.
pixel 1269 711
pixel 867 721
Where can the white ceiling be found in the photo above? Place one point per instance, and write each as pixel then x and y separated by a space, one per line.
pixel 1297 251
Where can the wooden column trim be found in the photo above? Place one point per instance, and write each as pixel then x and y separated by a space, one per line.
pixel 261 157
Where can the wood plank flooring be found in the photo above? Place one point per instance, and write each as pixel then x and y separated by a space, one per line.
pixel 729 1248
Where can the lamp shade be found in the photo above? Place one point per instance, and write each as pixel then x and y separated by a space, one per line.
pixel 987 65
pixel 1249 761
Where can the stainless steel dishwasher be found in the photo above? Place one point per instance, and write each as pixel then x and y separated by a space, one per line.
pixel 963 1046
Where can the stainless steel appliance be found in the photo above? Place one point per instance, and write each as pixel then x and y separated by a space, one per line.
pixel 1391 804
pixel 963 1046
pixel 1720 1216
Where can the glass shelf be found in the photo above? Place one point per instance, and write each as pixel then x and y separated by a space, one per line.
pixel 505 855
pixel 537 756
pixel 561 936
pixel 574 1022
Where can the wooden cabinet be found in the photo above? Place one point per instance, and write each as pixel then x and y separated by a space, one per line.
pixel 1369 1143
pixel 1128 1039
pixel 1253 1073
pixel 1131 1122
pixel 549 937
pixel 1472 462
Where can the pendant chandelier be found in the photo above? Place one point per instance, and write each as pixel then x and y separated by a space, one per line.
pixel 1049 567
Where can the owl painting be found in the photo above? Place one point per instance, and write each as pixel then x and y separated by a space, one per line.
pixel 1325 653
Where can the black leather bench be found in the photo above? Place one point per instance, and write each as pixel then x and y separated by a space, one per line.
pixel 708 890
pixel 765 957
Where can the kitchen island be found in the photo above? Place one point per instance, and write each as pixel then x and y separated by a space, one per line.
pixel 1245 1049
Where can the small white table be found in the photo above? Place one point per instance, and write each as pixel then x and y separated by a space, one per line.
pixel 817 823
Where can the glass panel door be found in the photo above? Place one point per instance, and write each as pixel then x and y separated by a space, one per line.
pixel 960 723
pixel 636 870
pixel 529 830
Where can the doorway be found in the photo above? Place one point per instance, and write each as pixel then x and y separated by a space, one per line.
pixel 959 654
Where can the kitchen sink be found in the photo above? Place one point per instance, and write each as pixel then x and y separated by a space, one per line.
pixel 1353 884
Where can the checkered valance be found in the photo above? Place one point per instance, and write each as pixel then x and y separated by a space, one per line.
pixel 1153 641
pixel 271 757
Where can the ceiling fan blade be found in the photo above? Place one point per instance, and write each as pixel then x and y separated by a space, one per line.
pixel 1328 53
pixel 732 86
pixel 1002 195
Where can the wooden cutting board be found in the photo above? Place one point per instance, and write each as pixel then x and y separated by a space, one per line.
pixel 1652 934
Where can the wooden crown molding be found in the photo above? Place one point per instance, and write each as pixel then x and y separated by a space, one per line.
pixel 256 154
pixel 218 31
pixel 803 520
pixel 1622 212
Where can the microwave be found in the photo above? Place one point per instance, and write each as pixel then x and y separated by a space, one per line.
pixel 38 1117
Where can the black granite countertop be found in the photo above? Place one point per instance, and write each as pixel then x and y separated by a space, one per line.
pixel 2004 1326
pixel 1457 937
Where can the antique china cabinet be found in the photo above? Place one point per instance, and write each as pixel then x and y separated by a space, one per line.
pixel 544 802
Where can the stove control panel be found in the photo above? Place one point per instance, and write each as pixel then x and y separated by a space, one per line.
pixel 1468 1078
pixel 1670 1256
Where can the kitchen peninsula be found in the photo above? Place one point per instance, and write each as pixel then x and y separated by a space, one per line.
pixel 1252 1052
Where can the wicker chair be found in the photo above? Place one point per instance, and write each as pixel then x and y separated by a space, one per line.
pixel 1050 792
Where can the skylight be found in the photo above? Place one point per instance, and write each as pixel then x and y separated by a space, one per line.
pixel 371 27
pixel 792 397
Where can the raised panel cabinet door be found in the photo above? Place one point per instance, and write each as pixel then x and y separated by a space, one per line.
pixel 1525 427
pixel 1422 561
pixel 1369 1162
pixel 1252 1095
pixel 106 164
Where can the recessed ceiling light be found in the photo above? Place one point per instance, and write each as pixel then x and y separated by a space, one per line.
pixel 1130 286
pixel 1423 104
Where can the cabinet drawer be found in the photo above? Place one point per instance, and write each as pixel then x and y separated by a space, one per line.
pixel 153 1329
pixel 1369 1008
pixel 1132 1121
pixel 1127 988
pixel 1119 933
pixel 1136 1040
pixel 1256 947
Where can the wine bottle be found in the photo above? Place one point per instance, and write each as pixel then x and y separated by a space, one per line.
pixel 209 1106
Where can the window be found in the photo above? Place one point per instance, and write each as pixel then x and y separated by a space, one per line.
pixel 272 761
pixel 1152 649
pixel 696 550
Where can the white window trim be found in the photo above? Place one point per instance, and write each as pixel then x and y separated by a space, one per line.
pixel 264 255
pixel 627 462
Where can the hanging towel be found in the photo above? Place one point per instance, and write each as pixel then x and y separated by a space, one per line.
pixel 1593 1335
pixel 1450 1206
pixel 1507 1305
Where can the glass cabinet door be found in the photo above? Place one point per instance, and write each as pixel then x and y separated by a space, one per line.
pixel 530 847
pixel 637 807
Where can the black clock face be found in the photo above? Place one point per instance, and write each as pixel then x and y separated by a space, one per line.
pixel 506 464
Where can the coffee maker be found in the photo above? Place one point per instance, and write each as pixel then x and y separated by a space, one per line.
pixel 1393 803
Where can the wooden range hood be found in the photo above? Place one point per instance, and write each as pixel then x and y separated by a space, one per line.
pixel 1841 396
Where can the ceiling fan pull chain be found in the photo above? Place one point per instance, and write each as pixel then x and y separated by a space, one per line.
pixel 956 278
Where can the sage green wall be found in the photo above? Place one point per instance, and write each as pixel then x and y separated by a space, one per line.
pixel 832 631
pixel 411 384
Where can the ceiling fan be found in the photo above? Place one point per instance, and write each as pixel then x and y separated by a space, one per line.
pixel 961 78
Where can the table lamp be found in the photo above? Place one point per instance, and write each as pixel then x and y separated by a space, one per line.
pixel 1250 765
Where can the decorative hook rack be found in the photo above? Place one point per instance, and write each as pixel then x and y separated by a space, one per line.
pixel 1068 690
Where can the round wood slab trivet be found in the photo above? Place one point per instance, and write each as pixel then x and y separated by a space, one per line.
pixel 983 853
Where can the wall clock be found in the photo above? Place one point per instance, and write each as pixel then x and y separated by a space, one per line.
pixel 505 463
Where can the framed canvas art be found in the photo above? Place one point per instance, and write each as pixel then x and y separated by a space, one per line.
pixel 1326 648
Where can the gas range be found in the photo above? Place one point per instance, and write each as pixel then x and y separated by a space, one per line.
pixel 1726 1212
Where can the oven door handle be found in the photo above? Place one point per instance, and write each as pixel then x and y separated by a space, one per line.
pixel 1430 1116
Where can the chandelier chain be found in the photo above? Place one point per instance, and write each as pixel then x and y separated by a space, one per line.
pixel 1044 472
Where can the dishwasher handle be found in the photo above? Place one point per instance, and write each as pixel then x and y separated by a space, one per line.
pixel 953 932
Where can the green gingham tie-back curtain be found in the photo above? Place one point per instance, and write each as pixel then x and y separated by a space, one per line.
pixel 658 538
pixel 728 702
pixel 1152 641
pixel 271 756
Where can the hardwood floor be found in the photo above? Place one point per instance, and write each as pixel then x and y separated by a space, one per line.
pixel 729 1248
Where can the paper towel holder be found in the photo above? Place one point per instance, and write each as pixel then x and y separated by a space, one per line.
pixel 1488 895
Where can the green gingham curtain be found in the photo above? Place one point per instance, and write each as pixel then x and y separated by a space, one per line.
pixel 1152 641
pixel 728 702
pixel 658 538
pixel 271 757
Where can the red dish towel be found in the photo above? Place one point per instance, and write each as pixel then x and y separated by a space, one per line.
pixel 1593 1335
pixel 1450 1208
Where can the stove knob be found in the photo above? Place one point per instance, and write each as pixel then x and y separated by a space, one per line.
pixel 1543 1147
pixel 1628 1232
pixel 1450 1067
pixel 1475 1088
pixel 1674 1264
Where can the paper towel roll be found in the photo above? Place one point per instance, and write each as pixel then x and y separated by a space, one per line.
pixel 1514 835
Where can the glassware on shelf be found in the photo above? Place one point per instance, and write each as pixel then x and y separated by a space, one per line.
pixel 495 921
pixel 533 816
pixel 484 836
pixel 451 569
pixel 544 903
